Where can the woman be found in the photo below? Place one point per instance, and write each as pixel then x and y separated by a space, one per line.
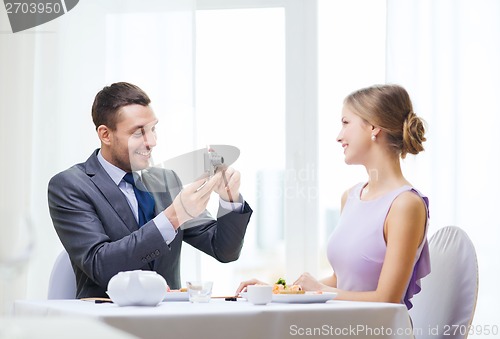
pixel 379 249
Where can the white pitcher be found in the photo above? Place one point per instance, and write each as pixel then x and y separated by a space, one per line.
pixel 137 288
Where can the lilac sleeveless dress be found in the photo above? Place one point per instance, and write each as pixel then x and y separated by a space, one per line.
pixel 356 248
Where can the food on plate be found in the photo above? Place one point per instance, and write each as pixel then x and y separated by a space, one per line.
pixel 182 289
pixel 280 287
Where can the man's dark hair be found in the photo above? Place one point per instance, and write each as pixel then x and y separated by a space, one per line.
pixel 111 98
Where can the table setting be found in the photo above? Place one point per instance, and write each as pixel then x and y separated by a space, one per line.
pixel 143 306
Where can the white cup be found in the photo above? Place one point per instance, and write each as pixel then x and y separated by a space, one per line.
pixel 260 294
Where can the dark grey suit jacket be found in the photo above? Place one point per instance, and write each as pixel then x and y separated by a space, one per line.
pixel 98 229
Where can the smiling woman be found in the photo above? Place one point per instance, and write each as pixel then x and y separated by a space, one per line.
pixel 378 251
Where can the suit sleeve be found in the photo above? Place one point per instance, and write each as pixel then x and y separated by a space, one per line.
pixel 221 238
pixel 94 234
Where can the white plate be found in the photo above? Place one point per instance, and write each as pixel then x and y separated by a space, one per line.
pixel 306 298
pixel 176 296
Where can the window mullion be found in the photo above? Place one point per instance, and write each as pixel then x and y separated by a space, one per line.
pixel 301 179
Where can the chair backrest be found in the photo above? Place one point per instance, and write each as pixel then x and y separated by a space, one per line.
pixel 62 283
pixel 445 307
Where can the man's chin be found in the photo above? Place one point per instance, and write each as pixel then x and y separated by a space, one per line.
pixel 137 167
pixel 140 165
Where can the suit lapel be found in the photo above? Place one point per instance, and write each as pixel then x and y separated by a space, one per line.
pixel 157 185
pixel 111 192
pixel 162 185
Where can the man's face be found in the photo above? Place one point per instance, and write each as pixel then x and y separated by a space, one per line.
pixel 133 140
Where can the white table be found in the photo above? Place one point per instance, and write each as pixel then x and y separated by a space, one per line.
pixel 240 319
pixel 58 328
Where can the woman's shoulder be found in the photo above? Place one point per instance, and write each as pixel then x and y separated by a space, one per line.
pixel 409 200
pixel 351 191
pixel 410 215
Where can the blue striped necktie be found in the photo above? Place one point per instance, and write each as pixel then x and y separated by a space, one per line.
pixel 145 201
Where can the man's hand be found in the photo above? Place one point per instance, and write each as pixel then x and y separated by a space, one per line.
pixel 228 185
pixel 191 201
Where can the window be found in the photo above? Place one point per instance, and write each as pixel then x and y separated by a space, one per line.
pixel 350 57
pixel 243 73
pixel 240 100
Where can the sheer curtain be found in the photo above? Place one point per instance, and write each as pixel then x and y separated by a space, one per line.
pixel 50 76
pixel 446 53
pixel 16 104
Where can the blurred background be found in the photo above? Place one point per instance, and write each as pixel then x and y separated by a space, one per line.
pixel 269 77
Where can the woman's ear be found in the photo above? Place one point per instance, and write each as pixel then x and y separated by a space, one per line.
pixel 375 130
pixel 104 134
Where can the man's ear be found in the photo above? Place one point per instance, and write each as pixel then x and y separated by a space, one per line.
pixel 104 134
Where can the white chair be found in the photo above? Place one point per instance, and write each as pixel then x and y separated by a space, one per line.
pixel 62 283
pixel 445 307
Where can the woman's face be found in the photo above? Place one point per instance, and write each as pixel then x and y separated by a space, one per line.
pixel 354 136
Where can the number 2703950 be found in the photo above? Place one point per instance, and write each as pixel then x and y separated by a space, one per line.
pixel 33 8
pixel 471 330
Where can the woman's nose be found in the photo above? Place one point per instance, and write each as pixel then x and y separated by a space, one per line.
pixel 339 137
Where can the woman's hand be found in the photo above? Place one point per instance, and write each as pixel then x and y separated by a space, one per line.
pixel 309 283
pixel 246 283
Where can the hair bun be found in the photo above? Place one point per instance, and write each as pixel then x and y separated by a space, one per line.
pixel 413 135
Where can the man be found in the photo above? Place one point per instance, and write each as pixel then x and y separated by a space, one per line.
pixel 100 210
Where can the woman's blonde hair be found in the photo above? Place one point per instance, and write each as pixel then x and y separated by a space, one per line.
pixel 389 107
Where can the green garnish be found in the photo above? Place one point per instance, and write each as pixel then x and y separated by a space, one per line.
pixel 281 281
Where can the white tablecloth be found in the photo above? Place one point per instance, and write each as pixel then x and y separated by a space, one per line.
pixel 58 328
pixel 240 319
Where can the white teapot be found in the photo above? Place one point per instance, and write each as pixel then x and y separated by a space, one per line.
pixel 137 288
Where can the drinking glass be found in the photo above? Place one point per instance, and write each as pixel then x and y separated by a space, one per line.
pixel 199 291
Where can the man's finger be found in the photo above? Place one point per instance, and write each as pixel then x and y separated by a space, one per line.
pixel 196 185
pixel 232 181
pixel 208 187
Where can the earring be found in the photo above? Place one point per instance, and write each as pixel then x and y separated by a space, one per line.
pixel 374 137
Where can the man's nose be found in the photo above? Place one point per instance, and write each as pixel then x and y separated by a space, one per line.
pixel 149 138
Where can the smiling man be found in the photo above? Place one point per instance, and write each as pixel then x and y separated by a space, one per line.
pixel 114 213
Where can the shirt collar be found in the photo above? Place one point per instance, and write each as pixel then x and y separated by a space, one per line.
pixel 114 172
